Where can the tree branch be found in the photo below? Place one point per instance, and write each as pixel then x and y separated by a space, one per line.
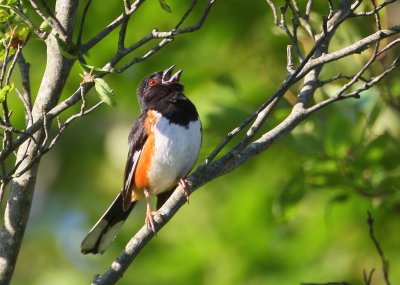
pixel 49 18
pixel 25 96
pixel 210 169
pixel 46 108
pixel 292 76
pixel 74 98
pixel 385 263
pixel 355 48
pixel 155 34
pixel 112 26
pixel 22 188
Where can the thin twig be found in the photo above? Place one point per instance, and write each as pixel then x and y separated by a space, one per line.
pixel 44 149
pixel 389 46
pixel 385 263
pixel 376 9
pixel 355 93
pixel 68 122
pixel 255 127
pixel 289 80
pixel 274 11
pixel 296 13
pixel 331 10
pixel 55 23
pixel 337 77
pixel 290 65
pixel 377 16
pixel 127 6
pixel 2 188
pixel 46 131
pixel 25 96
pixel 368 278
pixel 357 47
pixel 12 65
pixel 15 131
pixel 225 164
pixel 82 24
pixel 113 25
pixel 25 18
pixel 187 13
pixel 38 124
pixel 151 52
pixel 49 19
pixel 10 174
pixel 7 140
pixel 282 21
pixel 122 33
pixel 83 105
pixel 295 7
pixel 5 60
pixel 27 107
pixel 369 62
pixel 309 9
pixel 155 34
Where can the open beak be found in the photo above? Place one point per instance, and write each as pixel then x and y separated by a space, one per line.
pixel 167 76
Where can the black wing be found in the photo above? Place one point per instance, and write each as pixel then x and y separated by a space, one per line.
pixel 137 138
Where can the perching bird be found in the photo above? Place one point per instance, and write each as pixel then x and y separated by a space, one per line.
pixel 164 144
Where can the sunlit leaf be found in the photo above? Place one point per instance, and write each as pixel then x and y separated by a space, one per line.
pixel 45 27
pixel 165 6
pixel 105 92
pixel 4 92
pixel 22 31
pixel 66 50
pixel 3 16
pixel 89 68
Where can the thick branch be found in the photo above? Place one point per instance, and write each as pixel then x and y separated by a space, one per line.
pixel 230 161
pixel 355 48
pixel 292 76
pixel 21 193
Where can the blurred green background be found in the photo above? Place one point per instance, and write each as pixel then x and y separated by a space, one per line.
pixel 296 213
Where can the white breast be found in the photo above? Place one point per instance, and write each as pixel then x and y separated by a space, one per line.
pixel 176 151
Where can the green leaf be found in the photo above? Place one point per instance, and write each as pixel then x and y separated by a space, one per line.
pixel 165 6
pixel 4 92
pixel 105 92
pixel 45 27
pixel 66 50
pixel 3 16
pixel 226 80
pixel 22 31
pixel 88 68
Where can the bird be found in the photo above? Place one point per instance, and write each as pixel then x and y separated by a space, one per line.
pixel 164 144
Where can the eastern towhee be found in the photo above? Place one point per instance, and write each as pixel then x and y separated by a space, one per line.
pixel 164 144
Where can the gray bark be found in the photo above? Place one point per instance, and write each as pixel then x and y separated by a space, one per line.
pixel 22 188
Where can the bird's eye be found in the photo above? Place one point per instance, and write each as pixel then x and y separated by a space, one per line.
pixel 153 82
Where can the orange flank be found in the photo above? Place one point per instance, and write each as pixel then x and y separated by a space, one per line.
pixel 141 178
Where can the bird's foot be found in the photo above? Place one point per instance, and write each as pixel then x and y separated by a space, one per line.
pixel 184 185
pixel 149 213
pixel 150 220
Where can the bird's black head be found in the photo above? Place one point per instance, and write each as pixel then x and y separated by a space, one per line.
pixel 159 86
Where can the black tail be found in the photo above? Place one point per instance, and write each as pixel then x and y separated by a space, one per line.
pixel 106 229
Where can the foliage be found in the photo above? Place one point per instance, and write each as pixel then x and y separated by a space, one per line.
pixel 296 213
